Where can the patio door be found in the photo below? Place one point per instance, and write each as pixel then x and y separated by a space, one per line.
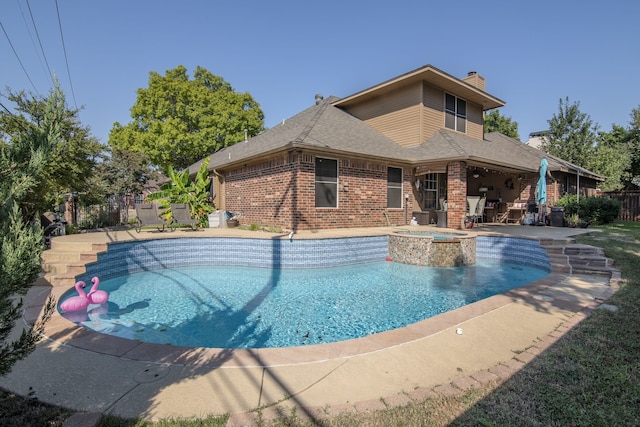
pixel 433 188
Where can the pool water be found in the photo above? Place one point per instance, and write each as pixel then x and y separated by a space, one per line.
pixel 247 307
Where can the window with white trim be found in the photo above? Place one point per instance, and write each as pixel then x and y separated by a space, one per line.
pixel 394 188
pixel 455 113
pixel 326 183
pixel 431 191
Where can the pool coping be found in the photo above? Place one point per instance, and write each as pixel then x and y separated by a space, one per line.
pixel 67 333
pixel 498 337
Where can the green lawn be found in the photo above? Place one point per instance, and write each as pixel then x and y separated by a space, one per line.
pixel 591 377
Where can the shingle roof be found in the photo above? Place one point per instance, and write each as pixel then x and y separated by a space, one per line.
pixel 325 127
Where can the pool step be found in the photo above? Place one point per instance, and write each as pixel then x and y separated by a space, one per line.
pixel 66 260
pixel 574 258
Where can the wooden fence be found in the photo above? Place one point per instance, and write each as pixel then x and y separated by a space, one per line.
pixel 629 204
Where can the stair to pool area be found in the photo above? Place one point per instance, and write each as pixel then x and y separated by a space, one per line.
pixel 67 259
pixel 567 256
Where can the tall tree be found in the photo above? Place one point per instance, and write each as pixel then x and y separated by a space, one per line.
pixel 572 134
pixel 122 172
pixel 24 159
pixel 496 122
pixel 74 156
pixel 178 121
pixel 612 158
pixel 633 141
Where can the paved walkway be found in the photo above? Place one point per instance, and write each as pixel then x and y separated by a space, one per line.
pixel 89 372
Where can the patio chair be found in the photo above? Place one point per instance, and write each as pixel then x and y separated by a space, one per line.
pixel 182 216
pixel 479 217
pixel 472 205
pixel 147 214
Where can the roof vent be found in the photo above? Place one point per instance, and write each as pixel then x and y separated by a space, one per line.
pixel 319 98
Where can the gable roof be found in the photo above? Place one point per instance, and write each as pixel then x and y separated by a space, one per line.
pixel 430 74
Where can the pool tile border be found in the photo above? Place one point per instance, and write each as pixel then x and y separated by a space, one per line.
pixel 67 333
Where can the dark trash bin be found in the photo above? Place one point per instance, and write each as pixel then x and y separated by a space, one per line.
pixel 556 217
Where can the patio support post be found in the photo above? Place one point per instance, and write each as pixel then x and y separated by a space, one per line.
pixel 456 194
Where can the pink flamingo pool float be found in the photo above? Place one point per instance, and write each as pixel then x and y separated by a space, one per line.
pixel 95 295
pixel 78 303
pixel 83 300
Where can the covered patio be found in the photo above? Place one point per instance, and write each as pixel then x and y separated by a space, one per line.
pixel 490 181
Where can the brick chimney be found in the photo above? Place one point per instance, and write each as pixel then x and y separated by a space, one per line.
pixel 475 79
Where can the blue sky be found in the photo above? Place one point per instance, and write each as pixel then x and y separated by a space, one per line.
pixel 284 52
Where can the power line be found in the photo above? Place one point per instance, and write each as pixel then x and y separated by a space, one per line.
pixel 19 123
pixel 6 109
pixel 18 58
pixel 64 49
pixel 40 43
pixel 33 42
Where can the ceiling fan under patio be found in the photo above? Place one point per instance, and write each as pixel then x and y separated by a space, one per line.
pixel 476 173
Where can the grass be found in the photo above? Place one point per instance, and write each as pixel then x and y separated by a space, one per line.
pixel 591 377
pixel 27 411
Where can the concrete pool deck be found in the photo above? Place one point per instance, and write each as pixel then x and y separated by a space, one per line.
pixel 86 371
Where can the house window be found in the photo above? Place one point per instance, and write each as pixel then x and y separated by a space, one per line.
pixel 431 191
pixel 326 183
pixel 455 114
pixel 394 187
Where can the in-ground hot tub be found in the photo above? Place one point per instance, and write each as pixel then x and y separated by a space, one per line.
pixel 432 249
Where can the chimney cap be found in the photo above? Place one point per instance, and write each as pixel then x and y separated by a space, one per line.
pixel 472 73
pixel 319 98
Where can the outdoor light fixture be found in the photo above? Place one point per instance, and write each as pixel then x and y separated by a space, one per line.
pixel 406 203
pixel 476 174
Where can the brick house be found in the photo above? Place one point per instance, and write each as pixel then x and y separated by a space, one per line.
pixel 384 155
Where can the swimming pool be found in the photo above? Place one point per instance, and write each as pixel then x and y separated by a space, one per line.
pixel 360 257
pixel 248 307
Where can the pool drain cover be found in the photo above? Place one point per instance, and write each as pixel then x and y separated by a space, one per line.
pixel 151 373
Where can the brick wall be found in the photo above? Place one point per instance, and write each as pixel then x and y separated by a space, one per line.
pixel 280 191
pixel 456 194
pixel 263 192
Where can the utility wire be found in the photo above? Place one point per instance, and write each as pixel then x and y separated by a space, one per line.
pixel 6 109
pixel 40 43
pixel 64 49
pixel 30 32
pixel 18 58
pixel 19 122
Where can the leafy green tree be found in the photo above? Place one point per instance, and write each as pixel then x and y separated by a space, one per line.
pixel 178 121
pixel 74 156
pixel 25 157
pixel 633 141
pixel 612 158
pixel 572 135
pixel 496 122
pixel 123 172
pixel 180 189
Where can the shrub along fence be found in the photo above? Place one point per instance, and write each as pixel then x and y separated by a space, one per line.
pixel 629 203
